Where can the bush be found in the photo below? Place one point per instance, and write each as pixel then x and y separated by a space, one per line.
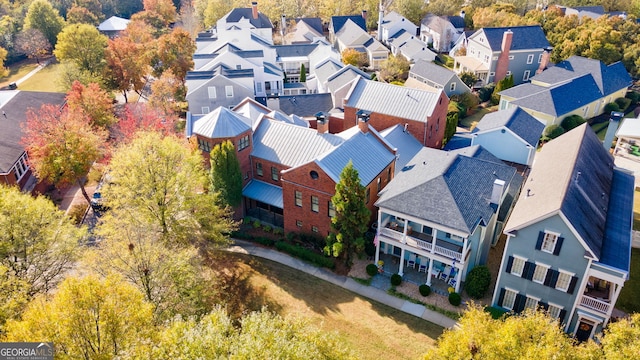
pixel 484 93
pixel 553 131
pixel 266 228
pixel 634 96
pixel 396 279
pixel 424 289
pixel 372 269
pixel 611 107
pixel 455 299
pixel 478 281
pixel 246 220
pixel 256 224
pixel 278 231
pixel 241 235
pixel 369 247
pixel 264 241
pixel 305 254
pixel 571 122
pixel 623 103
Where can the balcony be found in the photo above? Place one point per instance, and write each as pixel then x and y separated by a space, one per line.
pixel 423 241
pixel 595 304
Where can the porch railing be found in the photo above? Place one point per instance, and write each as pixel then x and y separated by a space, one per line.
pixel 595 304
pixel 391 234
pixel 425 245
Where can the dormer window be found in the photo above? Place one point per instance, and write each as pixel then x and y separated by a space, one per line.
pixel 549 242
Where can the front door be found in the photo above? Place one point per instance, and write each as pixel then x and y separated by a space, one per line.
pixel 584 331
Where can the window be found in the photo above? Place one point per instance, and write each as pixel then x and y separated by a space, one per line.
pixel 332 210
pixel 228 90
pixel 212 92
pixel 246 175
pixel 509 73
pixel 379 184
pixel 259 169
pixel 299 198
pixel 540 273
pixel 204 145
pixel 274 173
pixel 554 311
pixel 205 109
pixel 299 223
pixel 243 143
pixel 518 266
pixel 585 111
pixel 258 87
pixel 452 87
pixel 530 59
pixel 511 57
pixel 388 174
pixel 549 242
pixel 368 196
pixel 315 204
pixel 314 229
pixel 486 58
pixel 539 58
pixel 564 279
pixel 21 166
pixel 531 303
pixel 509 299
pixel 526 75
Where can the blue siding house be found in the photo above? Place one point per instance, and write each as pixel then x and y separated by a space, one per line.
pixel 568 246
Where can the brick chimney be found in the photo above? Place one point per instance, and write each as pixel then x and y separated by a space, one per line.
pixel 322 122
pixel 503 60
pixel 363 120
pixel 254 9
pixel 546 55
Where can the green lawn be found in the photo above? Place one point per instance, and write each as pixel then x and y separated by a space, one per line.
pixel 17 71
pixel 470 121
pixel 45 80
pixel 629 300
pixel 370 329
pixel 600 129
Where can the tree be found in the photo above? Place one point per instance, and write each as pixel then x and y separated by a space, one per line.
pixel 159 184
pixel 62 145
pixel 553 131
pixel 503 84
pixel 13 296
pixel 38 242
pixel 468 78
pixel 168 94
pixel 498 15
pixel 352 216
pixel 87 318
pixel 3 56
pixel 572 121
pixel 355 58
pixel 33 44
pixel 69 73
pixel 127 61
pixel 395 68
pixel 93 102
pixel 81 15
pixel 226 177
pixel 84 45
pixel 164 8
pixel 621 339
pixel 174 51
pixel 452 125
pixel 445 7
pixel 303 73
pixel 413 10
pixel 42 16
pixel 525 336
pixel 142 117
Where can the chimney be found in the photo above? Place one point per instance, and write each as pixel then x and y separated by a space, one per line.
pixel 503 60
pixel 496 192
pixel 322 122
pixel 364 15
pixel 614 122
pixel 283 26
pixel 380 17
pixel 363 120
pixel 544 62
pixel 462 14
pixel 254 9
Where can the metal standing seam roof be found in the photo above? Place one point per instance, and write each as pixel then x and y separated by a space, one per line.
pixel 221 123
pixel 264 192
pixel 404 142
pixel 394 100
pixel 616 247
pixel 629 128
pixel 290 145
pixel 515 119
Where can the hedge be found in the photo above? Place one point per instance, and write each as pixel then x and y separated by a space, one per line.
pixel 305 254
pixel 623 103
pixel 478 281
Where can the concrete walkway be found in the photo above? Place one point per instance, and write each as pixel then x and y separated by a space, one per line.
pixel 245 247
pixel 30 73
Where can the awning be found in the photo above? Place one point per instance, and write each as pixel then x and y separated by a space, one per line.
pixel 264 192
pixel 471 63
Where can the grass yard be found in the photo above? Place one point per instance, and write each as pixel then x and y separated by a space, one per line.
pixel 470 121
pixel 45 80
pixel 17 71
pixel 600 129
pixel 629 299
pixel 371 330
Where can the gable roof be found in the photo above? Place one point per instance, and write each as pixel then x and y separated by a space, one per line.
pixel 314 23
pixel 446 188
pixel 609 78
pixel 428 70
pixel 515 119
pixel 221 123
pixel 411 47
pixel 524 37
pixel 436 23
pixel 456 20
pixel 15 105
pixel 235 15
pixel 406 145
pixel 573 175
pixel 294 50
pixel 337 22
pixel 305 105
pixel 399 101
pixel 114 23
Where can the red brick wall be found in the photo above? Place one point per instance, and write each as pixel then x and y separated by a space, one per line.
pixel 266 171
pixel 9 178
pixel 242 155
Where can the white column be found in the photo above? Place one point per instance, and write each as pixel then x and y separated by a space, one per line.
pixel 465 245
pixel 434 234
pixel 400 270
pixel 458 279
pixel 613 300
pixel 377 258
pixel 404 232
pixel 430 272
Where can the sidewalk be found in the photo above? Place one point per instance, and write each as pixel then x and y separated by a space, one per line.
pixel 245 247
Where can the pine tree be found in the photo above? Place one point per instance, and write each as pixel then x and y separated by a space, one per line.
pixel 226 177
pixel 352 216
pixel 303 73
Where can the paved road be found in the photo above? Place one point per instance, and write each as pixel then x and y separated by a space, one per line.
pixel 245 247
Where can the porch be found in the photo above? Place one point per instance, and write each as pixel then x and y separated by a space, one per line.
pixel 421 240
pixel 414 275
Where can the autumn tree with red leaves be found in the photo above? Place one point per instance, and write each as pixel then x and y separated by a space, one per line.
pixel 143 117
pixel 62 145
pixel 92 101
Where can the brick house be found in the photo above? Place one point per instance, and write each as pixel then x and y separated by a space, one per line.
pixel 422 112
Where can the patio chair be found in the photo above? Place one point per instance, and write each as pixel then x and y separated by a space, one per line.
pixel 412 261
pixel 422 268
pixel 444 275
pixel 452 282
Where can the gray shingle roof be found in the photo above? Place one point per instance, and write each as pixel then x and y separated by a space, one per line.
pixel 428 70
pixel 221 123
pixel 573 174
pixel 294 50
pixel 262 22
pixel 515 119
pixel 315 23
pixel 446 188
pixel 305 105
pixel 394 100
pixel 524 37
pixel 337 22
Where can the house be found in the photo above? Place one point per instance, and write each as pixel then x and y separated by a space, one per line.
pixel 576 86
pixel 440 211
pixel 495 53
pixel 247 18
pixel 113 26
pixel 14 160
pixel 427 75
pixel 303 106
pixel 423 113
pixel 593 12
pixel 291 58
pixel 306 31
pixel 511 135
pixel 337 22
pixel 409 46
pixel 351 36
pixel 441 31
pixel 206 93
pixel 568 246
pixel 392 24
